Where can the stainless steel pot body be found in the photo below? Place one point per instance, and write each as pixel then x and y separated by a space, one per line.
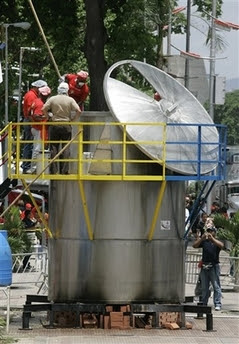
pixel 120 264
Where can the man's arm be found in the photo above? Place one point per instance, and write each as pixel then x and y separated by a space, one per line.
pixel 215 241
pixel 77 115
pixel 199 240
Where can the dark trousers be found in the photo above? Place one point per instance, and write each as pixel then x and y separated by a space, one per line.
pixel 59 133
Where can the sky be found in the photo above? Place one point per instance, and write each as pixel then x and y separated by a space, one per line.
pixel 228 67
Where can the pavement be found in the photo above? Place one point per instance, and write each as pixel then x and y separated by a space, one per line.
pixel 225 324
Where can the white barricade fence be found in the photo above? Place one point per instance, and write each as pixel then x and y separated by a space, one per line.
pixel 30 267
pixel 227 266
pixel 6 293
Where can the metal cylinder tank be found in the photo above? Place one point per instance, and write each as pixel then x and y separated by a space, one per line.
pixel 120 264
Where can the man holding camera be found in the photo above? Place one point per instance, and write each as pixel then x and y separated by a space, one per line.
pixel 210 271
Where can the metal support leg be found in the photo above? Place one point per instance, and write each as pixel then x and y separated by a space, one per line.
pixel 156 320
pixel 25 320
pixel 209 321
pixel 199 315
pixel 51 322
pixel 182 319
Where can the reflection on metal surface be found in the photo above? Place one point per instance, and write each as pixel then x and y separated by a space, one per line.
pixel 176 106
pixel 120 264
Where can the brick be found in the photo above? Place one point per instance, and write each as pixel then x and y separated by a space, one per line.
pixel 171 326
pixel 128 309
pixel 107 322
pixel 116 316
pixel 123 308
pixel 126 320
pixel 109 308
pixel 170 317
pixel 90 320
pixel 188 325
pixel 148 327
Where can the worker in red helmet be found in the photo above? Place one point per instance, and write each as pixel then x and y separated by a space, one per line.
pixel 78 88
pixel 157 96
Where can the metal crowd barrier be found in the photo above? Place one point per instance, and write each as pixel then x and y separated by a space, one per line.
pixel 227 265
pixel 31 268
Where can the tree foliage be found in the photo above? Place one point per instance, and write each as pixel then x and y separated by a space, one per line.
pixel 85 34
pixel 205 7
pixel 228 114
pixel 229 230
pixel 17 236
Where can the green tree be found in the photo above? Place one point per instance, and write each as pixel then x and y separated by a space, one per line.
pixel 228 114
pixel 17 236
pixel 205 7
pixel 85 34
pixel 229 230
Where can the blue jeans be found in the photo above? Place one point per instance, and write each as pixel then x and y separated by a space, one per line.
pixel 27 150
pixel 207 276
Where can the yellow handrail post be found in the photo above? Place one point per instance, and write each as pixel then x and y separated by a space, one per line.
pixel 80 152
pixel 86 212
pixel 157 209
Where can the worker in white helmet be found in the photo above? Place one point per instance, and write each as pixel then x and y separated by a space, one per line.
pixel 59 108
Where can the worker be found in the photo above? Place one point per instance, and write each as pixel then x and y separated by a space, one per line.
pixel 28 99
pixel 78 88
pixel 59 108
pixel 39 132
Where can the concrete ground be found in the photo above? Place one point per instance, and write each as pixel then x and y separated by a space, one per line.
pixel 225 325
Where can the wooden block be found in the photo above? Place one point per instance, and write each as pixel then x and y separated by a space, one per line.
pixel 171 326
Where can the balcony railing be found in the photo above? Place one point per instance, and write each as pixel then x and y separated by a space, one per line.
pixel 103 151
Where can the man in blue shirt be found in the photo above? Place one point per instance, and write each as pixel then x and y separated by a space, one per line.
pixel 210 271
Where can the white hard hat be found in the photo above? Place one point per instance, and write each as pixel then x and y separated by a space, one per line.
pixel 63 88
pixel 39 83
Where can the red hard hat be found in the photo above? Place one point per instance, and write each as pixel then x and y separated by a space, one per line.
pixel 157 96
pixel 82 75
pixel 28 206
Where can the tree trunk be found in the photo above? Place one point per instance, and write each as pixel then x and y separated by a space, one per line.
pixel 95 40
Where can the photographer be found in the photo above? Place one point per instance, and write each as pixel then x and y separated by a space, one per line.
pixel 210 271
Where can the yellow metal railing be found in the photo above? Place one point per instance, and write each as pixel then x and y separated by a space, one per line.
pixel 93 155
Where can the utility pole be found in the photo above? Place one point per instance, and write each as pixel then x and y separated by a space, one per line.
pixel 169 32
pixel 188 34
pixel 212 79
pixel 212 61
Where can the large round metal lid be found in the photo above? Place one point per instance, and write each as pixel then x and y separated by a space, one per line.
pixel 177 105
